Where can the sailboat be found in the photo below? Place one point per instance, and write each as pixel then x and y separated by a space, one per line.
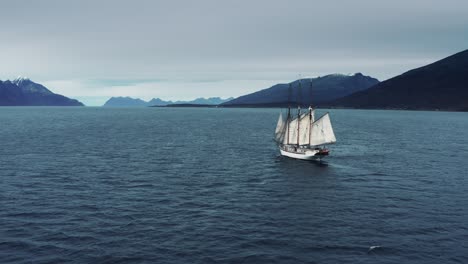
pixel 301 136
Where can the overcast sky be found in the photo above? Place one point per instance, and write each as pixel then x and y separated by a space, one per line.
pixel 92 50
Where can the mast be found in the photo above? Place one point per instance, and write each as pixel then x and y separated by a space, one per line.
pixel 310 93
pixel 310 110
pixel 298 111
pixel 310 123
pixel 289 110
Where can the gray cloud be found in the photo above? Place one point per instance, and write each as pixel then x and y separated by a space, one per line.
pixel 238 41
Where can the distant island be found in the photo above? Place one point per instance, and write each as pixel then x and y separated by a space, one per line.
pixel 313 91
pixel 136 102
pixel 24 92
pixel 187 105
pixel 442 85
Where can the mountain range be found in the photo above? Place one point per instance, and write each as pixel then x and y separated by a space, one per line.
pixel 442 85
pixel 136 102
pixel 305 91
pixel 24 92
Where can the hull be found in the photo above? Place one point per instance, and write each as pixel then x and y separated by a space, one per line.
pixel 304 154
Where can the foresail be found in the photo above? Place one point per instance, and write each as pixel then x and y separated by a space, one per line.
pixel 279 131
pixel 322 131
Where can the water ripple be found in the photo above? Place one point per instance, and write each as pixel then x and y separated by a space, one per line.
pixel 92 185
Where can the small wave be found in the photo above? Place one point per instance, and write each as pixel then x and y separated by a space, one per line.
pixel 373 248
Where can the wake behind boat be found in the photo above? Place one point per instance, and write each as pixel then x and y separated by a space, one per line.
pixel 302 137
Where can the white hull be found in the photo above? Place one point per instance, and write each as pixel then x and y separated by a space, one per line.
pixel 303 154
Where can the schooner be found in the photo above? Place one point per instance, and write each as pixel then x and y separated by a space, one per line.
pixel 301 136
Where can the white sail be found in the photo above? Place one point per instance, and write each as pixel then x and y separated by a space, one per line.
pixel 280 127
pixel 286 128
pixel 322 131
pixel 304 129
pixel 315 133
pixel 291 131
pixel 292 128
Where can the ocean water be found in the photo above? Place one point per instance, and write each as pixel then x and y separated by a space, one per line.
pixel 199 185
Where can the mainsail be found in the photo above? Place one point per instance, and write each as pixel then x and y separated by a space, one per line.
pixel 304 127
pixel 292 132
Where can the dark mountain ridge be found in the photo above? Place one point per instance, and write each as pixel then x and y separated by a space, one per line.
pixel 324 89
pixel 442 85
pixel 24 92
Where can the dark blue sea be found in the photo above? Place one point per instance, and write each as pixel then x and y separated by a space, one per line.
pixel 207 185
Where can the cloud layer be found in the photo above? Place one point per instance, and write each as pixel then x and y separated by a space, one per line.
pixel 181 49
